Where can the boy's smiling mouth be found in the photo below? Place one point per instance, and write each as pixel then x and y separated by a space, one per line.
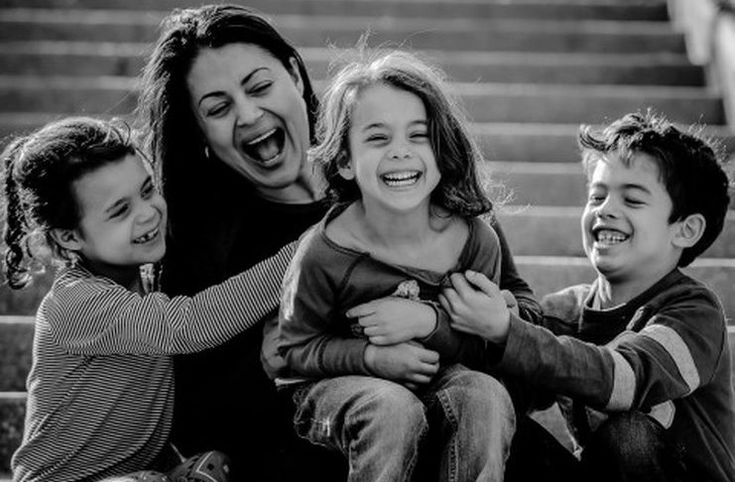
pixel 608 237
pixel 266 147
pixel 401 178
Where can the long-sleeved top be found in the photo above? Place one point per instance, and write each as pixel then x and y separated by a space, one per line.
pixel 101 388
pixel 664 353
pixel 325 279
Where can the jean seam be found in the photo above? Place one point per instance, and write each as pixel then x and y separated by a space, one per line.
pixel 445 401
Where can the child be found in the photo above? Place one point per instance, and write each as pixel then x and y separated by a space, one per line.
pixel 100 392
pixel 643 351
pixel 374 380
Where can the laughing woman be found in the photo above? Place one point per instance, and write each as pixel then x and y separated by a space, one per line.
pixel 229 111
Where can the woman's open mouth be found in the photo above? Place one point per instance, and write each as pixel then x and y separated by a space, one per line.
pixel 266 147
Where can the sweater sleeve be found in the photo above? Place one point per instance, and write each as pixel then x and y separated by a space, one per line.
pixel 308 338
pixel 529 309
pixel 96 316
pixel 676 352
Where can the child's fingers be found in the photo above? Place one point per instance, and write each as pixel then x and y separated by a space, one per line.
pixel 449 299
pixel 481 282
pixel 429 356
pixel 362 310
pixel 510 300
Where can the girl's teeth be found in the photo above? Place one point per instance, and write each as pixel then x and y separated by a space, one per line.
pixel 147 237
pixel 401 179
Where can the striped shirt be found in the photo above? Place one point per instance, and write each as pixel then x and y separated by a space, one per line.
pixel 100 391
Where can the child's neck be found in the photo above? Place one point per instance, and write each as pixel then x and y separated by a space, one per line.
pixel 126 276
pixel 614 293
pixel 393 230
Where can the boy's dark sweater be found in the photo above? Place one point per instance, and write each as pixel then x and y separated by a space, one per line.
pixel 664 353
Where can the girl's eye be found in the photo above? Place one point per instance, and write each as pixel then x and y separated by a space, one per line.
pixel 634 202
pixel 419 135
pixel 119 211
pixel 595 198
pixel 148 190
pixel 377 138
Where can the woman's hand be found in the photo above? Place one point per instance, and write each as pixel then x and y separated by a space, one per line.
pixel 409 364
pixel 477 306
pixel 391 320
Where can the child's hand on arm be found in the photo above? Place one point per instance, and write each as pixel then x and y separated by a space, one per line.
pixel 391 320
pixel 409 364
pixel 477 306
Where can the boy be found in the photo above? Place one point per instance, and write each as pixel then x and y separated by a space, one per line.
pixel 641 353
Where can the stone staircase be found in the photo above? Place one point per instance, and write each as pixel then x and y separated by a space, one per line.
pixel 529 72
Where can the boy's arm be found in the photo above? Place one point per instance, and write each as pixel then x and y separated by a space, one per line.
pixel 676 352
pixel 96 316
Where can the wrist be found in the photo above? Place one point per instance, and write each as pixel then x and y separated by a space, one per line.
pixel 427 324
pixel 369 357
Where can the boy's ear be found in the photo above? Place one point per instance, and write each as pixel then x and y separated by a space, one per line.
pixel 67 239
pixel 690 230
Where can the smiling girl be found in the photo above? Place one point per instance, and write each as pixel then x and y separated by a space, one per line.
pixel 368 354
pixel 100 392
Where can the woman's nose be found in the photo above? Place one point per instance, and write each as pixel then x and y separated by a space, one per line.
pixel 248 112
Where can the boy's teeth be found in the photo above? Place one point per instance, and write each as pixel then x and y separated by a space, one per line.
pixel 610 237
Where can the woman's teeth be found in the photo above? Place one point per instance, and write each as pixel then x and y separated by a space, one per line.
pixel 401 179
pixel 146 237
pixel 265 147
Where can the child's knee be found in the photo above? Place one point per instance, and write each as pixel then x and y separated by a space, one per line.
pixel 643 436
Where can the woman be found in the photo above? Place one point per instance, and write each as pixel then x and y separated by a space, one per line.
pixel 229 112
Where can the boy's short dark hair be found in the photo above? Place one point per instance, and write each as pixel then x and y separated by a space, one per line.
pixel 689 168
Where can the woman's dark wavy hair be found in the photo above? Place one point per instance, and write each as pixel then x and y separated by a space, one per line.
pixel 37 175
pixel 458 158
pixel 689 166
pixel 165 118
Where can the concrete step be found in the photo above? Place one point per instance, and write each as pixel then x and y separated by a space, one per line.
pixel 12 414
pixel 555 231
pixel 16 347
pixel 344 31
pixel 126 59
pixel 490 9
pixel 548 184
pixel 521 143
pixel 485 102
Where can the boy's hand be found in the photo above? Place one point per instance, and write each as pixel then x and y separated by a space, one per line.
pixel 476 306
pixel 511 302
pixel 407 363
pixel 391 320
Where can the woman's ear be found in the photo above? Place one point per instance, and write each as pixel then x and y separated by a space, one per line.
pixel 296 75
pixel 67 238
pixel 689 230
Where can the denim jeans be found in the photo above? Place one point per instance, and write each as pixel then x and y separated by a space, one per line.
pixel 628 446
pixel 464 417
